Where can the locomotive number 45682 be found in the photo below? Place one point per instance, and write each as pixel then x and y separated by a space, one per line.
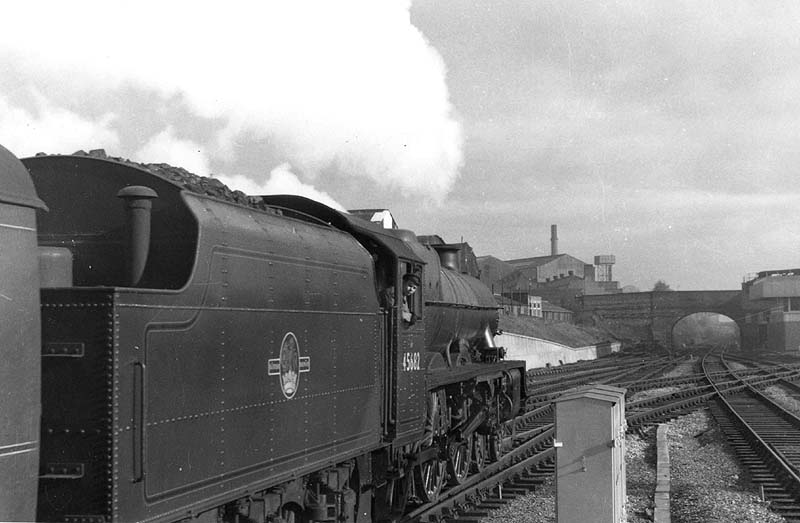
pixel 410 361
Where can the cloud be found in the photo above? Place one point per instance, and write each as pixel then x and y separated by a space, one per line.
pixel 281 181
pixel 52 129
pixel 348 87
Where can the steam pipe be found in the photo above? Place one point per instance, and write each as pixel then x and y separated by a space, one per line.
pixel 487 335
pixel 138 204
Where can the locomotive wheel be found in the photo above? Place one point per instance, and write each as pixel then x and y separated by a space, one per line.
pixel 480 452
pixel 459 462
pixel 429 477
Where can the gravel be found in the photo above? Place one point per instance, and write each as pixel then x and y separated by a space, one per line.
pixel 653 393
pixel 708 485
pixel 707 482
pixel 684 368
pixel 780 396
pixel 640 475
pixel 539 507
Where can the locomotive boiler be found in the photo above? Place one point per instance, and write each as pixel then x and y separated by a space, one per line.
pixel 204 356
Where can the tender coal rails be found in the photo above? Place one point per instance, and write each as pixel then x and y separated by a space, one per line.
pixel 245 359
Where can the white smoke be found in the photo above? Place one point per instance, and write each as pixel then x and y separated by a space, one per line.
pixel 165 147
pixel 281 181
pixel 351 86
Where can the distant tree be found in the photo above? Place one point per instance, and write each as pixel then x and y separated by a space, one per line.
pixel 661 286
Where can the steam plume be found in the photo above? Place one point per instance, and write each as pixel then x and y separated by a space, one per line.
pixel 352 85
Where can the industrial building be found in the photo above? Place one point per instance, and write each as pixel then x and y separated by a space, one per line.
pixel 557 278
pixel 536 307
pixel 776 295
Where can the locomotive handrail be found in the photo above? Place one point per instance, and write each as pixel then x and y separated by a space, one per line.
pixel 288 212
pixel 138 421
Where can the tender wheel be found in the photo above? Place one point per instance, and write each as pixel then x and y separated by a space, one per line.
pixel 480 452
pixel 429 478
pixel 458 462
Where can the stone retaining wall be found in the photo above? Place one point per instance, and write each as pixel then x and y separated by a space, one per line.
pixel 538 352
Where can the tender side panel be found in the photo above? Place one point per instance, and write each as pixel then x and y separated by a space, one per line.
pixel 266 367
pixel 225 380
pixel 77 359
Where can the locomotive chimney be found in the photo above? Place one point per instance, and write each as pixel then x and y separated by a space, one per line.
pixel 138 203
pixel 448 256
pixel 553 240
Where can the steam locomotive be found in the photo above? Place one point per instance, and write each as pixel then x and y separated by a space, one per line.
pixel 175 351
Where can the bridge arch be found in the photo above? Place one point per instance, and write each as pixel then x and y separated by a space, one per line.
pixel 673 341
pixel 653 314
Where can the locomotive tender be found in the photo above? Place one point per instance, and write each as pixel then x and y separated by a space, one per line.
pixel 202 359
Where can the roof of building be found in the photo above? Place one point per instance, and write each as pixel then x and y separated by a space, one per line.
pixel 549 307
pixel 504 300
pixel 493 269
pixel 536 260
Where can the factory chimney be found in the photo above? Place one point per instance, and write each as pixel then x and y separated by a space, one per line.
pixel 553 240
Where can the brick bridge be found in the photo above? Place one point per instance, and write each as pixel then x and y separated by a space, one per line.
pixel 654 314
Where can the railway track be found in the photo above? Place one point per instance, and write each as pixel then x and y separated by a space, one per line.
pixel 764 435
pixel 525 453
pixel 526 457
pixel 544 390
pixel 693 391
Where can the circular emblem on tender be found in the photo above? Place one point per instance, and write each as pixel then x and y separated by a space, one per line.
pixel 290 365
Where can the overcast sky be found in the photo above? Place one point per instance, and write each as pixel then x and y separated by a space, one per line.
pixel 666 133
